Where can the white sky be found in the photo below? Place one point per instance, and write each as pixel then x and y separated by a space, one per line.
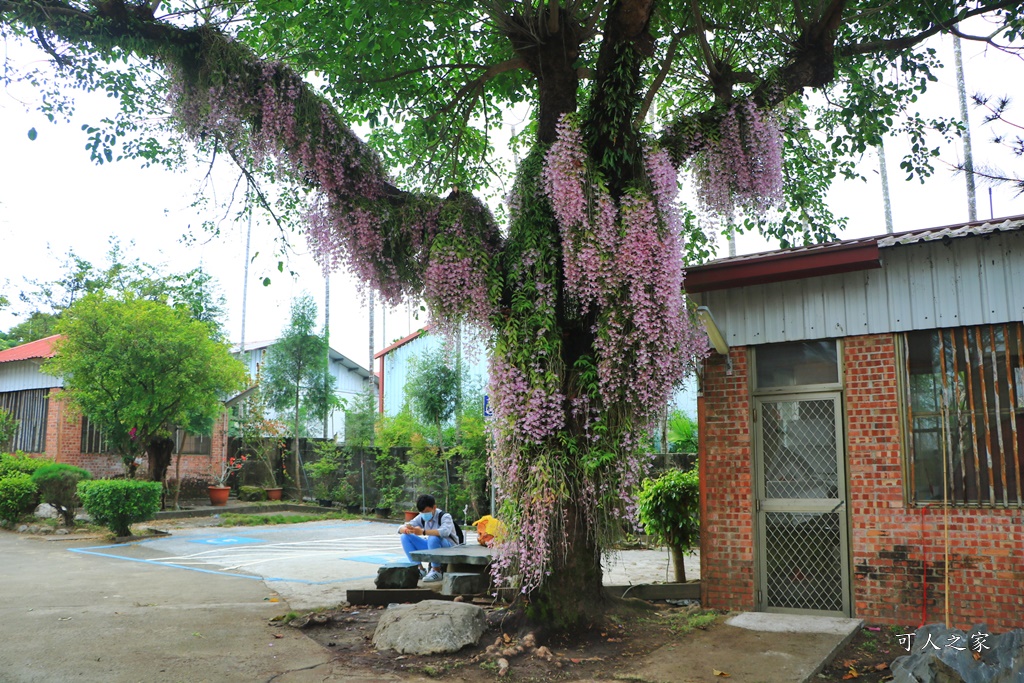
pixel 53 198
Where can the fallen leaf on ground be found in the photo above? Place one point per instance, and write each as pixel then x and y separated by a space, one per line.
pixel 720 673
pixel 852 673
pixel 881 666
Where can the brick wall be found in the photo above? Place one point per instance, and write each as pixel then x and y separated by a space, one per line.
pixel 898 570
pixel 898 550
pixel 64 444
pixel 727 500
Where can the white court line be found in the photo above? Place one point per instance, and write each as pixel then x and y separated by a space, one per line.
pixel 228 557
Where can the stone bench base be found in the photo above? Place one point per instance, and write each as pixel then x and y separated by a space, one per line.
pixel 464 583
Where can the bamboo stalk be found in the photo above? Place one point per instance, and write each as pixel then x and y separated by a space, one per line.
pixel 974 420
pixel 996 407
pixel 984 417
pixel 1011 409
pixel 944 435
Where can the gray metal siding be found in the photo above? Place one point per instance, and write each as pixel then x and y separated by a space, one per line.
pixel 926 285
pixel 20 375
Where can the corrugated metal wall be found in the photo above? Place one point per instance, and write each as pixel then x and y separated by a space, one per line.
pixel 921 286
pixel 25 374
pixel 397 366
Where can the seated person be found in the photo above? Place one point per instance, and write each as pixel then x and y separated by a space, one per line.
pixel 430 529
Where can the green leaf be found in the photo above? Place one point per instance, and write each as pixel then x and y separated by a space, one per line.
pixel 32 134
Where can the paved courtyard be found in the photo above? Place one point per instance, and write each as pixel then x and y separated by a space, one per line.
pixel 313 564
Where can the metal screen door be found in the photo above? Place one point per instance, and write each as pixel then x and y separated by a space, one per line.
pixel 801 505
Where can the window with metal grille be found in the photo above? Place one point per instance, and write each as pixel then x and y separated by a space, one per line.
pixel 196 444
pixel 964 407
pixel 30 408
pixel 93 439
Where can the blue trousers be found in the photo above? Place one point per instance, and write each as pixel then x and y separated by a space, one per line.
pixel 411 542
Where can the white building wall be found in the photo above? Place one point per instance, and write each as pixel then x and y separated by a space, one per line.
pixel 349 383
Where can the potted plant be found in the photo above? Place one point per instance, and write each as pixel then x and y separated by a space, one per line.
pixel 219 489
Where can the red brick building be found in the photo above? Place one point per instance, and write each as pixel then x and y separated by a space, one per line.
pixel 862 428
pixel 48 428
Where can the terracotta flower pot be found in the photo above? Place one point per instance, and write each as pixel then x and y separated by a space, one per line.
pixel 218 494
pixel 274 493
pixel 410 515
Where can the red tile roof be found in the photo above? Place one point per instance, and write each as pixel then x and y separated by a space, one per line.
pixel 41 348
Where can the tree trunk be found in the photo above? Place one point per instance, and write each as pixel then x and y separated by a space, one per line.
pixel 572 596
pixel 159 451
pixel 677 563
pixel 295 455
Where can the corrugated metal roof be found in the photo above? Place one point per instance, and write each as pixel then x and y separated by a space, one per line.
pixel 41 348
pixel 884 240
pixel 952 232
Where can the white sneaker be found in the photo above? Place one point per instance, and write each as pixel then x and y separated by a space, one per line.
pixel 432 576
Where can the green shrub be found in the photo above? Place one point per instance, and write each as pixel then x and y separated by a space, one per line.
pixel 252 493
pixel 57 484
pixel 119 503
pixel 20 463
pixel 669 508
pixel 17 496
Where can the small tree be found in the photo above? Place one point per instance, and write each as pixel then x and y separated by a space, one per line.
pixel 137 367
pixel 262 436
pixel 297 379
pixel 58 486
pixel 433 392
pixel 669 508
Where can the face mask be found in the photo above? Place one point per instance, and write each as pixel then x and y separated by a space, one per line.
pixel 427 516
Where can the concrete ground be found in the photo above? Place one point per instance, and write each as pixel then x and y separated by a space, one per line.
pixel 194 606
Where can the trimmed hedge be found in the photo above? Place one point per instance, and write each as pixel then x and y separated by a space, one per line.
pixel 17 496
pixel 119 503
pixel 20 463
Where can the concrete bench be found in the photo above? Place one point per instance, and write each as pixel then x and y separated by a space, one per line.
pixel 465 567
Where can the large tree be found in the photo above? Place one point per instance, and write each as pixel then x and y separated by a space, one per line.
pixel 578 294
pixel 138 368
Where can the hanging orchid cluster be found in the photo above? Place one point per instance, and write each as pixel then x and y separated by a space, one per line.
pixel 400 244
pixel 571 437
pixel 742 165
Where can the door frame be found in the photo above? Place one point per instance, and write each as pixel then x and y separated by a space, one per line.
pixel 762 505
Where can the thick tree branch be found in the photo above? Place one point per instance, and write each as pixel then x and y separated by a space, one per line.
pixel 666 66
pixel 906 42
pixel 702 39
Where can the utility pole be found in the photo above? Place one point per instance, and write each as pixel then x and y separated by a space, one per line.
pixel 961 88
pixel 883 171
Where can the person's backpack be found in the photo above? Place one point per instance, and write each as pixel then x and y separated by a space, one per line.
pixel 458 529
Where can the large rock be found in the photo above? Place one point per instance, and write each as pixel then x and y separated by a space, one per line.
pixel 398 575
pixel 45 511
pixel 429 627
pixel 946 655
